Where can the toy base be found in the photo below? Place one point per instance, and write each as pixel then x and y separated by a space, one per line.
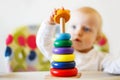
pixel 51 77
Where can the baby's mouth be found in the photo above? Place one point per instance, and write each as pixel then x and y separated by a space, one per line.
pixel 77 40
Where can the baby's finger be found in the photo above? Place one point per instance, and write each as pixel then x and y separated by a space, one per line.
pixel 62 8
pixel 52 16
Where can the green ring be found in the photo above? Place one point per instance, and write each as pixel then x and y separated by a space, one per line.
pixel 62 43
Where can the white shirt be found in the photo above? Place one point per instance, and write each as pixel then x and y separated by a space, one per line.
pixel 91 61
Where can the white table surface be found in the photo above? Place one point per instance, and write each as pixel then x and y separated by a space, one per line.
pixel 44 75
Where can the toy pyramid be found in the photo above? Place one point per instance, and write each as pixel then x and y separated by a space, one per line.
pixel 63 64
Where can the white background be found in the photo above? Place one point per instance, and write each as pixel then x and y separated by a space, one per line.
pixel 14 13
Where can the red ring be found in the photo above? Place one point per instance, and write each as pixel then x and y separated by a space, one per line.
pixel 64 72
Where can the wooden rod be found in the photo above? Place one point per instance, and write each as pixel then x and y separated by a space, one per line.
pixel 62 25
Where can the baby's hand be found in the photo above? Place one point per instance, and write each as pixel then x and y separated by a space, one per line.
pixel 51 18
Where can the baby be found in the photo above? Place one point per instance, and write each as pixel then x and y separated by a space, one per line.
pixel 85 27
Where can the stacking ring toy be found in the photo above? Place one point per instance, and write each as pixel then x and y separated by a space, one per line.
pixel 62 13
pixel 63 36
pixel 62 43
pixel 63 65
pixel 63 57
pixel 63 50
pixel 64 72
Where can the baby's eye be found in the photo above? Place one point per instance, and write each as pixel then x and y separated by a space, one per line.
pixel 86 29
pixel 73 26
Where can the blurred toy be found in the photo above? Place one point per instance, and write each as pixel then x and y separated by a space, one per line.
pixel 22 52
pixel 102 45
pixel 63 64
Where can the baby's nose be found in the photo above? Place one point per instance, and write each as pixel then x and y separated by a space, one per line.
pixel 79 32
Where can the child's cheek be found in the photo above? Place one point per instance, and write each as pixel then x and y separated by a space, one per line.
pixel 89 42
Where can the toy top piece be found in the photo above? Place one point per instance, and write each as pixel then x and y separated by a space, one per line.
pixel 61 13
pixel 61 17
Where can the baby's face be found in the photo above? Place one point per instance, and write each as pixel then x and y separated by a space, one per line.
pixel 83 30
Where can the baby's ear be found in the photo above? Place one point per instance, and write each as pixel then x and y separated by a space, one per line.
pixel 98 38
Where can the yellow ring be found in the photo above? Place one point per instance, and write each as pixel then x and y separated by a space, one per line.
pixel 63 57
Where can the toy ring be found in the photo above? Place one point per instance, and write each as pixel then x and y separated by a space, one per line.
pixel 64 72
pixel 64 50
pixel 63 36
pixel 63 43
pixel 63 57
pixel 63 65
